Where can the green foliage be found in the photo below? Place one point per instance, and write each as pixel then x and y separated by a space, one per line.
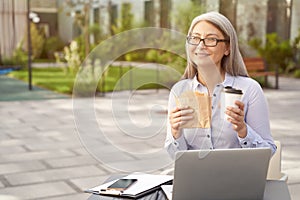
pixel 159 56
pixel 138 55
pixel 37 41
pixel 7 61
pixel 296 51
pixel 53 44
pixel 96 31
pixel 19 58
pixel 72 57
pixel 186 11
pixel 297 73
pixel 87 77
pixel 56 80
pixel 126 17
pixel 81 47
pixel 275 50
pixel 152 55
pixel 125 21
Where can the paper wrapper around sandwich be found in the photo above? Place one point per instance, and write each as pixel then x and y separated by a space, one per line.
pixel 201 104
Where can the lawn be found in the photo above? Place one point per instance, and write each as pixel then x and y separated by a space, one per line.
pixel 49 78
pixel 116 78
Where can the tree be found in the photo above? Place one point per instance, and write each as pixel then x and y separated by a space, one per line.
pixel 81 19
pixel 125 21
pixel 185 13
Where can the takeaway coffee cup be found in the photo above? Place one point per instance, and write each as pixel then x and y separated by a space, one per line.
pixel 230 95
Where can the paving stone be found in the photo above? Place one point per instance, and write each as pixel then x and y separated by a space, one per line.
pixel 289 164
pixel 53 175
pixel 38 191
pixel 81 151
pixel 82 196
pixel 19 130
pixel 71 161
pixel 141 165
pixel 1 185
pixel 294 191
pixel 53 145
pixel 293 175
pixel 67 135
pixel 89 182
pixel 29 156
pixel 12 149
pixel 23 141
pixel 21 167
pixel 33 133
pixel 3 135
pixel 9 121
pixel 8 197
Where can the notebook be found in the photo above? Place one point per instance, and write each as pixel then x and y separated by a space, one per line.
pixel 227 174
pixel 145 184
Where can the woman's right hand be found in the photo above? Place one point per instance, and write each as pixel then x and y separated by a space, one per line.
pixel 178 117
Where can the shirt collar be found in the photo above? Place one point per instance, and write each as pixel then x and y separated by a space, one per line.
pixel 196 83
pixel 229 81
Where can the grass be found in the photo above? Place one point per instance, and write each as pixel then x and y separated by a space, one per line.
pixel 49 78
pixel 115 78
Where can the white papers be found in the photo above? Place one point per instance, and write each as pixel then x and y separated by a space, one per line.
pixel 144 182
pixel 168 190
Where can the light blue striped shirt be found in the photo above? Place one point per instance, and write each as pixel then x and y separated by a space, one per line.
pixel 221 133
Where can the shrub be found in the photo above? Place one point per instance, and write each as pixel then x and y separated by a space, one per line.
pixel 152 55
pixel 275 50
pixel 297 73
pixel 37 41
pixel 53 44
pixel 19 57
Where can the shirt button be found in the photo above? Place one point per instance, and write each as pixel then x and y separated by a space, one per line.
pixel 212 107
pixel 215 95
pixel 210 148
pixel 176 143
pixel 245 143
pixel 208 136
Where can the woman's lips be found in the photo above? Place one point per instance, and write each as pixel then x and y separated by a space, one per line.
pixel 202 54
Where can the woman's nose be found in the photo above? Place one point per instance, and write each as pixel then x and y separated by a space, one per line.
pixel 201 44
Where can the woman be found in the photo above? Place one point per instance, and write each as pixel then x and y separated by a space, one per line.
pixel 214 62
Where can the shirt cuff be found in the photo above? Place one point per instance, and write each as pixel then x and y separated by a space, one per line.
pixel 180 143
pixel 250 140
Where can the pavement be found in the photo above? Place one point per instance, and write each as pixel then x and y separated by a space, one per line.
pixel 44 143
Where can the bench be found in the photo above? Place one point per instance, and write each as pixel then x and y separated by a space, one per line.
pixel 257 67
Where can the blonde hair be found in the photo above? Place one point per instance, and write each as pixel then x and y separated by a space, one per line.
pixel 233 63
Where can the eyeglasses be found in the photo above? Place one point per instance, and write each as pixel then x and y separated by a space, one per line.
pixel 208 42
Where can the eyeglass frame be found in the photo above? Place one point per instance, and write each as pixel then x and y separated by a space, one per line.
pixel 203 39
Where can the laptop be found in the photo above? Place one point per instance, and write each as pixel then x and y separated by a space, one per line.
pixel 225 174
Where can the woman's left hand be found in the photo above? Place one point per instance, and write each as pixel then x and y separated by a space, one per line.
pixel 236 118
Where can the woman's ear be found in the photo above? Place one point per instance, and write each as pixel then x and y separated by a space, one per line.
pixel 227 51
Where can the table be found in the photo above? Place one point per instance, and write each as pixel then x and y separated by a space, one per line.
pixel 275 190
